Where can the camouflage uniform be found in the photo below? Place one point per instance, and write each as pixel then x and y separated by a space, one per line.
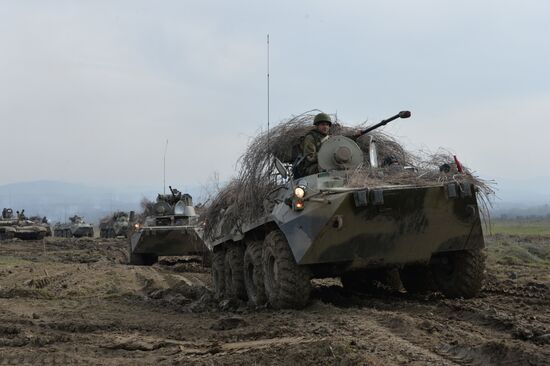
pixel 312 144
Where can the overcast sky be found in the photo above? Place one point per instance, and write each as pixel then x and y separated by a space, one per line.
pixel 91 90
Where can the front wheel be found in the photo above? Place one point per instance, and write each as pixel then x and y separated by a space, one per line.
pixel 287 284
pixel 459 273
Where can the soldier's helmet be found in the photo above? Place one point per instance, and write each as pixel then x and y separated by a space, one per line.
pixel 322 117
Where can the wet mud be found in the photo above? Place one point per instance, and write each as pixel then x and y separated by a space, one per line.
pixel 76 301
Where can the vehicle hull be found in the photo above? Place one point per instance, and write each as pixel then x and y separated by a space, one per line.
pixel 167 241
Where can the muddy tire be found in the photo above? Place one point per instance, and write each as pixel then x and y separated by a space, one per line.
pixel 287 285
pixel 417 279
pixel 460 273
pixel 254 274
pixel 218 274
pixel 234 276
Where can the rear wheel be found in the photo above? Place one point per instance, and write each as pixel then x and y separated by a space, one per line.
pixel 254 274
pixel 459 273
pixel 234 278
pixel 417 279
pixel 218 273
pixel 287 284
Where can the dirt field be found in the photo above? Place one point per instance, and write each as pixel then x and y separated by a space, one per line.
pixel 75 302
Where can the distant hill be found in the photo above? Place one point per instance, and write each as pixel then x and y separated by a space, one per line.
pixel 60 200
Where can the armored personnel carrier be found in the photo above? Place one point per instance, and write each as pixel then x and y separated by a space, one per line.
pixel 76 227
pixel 114 225
pixel 7 224
pixel 19 226
pixel 355 219
pixel 171 228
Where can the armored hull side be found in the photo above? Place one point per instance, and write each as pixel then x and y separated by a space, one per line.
pixel 401 225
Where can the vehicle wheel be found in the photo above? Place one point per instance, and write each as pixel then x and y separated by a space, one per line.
pixel 460 273
pixel 218 273
pixel 254 274
pixel 234 268
pixel 417 279
pixel 287 284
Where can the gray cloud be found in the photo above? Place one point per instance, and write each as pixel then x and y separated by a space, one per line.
pixel 90 91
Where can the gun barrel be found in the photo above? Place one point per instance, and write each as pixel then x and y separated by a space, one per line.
pixel 402 114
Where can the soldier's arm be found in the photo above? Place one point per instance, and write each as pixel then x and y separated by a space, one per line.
pixel 310 150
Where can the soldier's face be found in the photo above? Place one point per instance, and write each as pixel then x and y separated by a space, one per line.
pixel 324 128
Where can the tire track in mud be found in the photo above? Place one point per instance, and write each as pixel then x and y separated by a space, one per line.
pixel 459 331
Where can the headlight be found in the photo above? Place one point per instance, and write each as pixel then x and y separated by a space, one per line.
pixel 136 226
pixel 299 192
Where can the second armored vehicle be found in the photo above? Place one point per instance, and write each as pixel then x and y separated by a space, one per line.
pixel 76 227
pixel 114 226
pixel 171 229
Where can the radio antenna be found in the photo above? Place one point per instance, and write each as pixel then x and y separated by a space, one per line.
pixel 268 149
pixel 164 168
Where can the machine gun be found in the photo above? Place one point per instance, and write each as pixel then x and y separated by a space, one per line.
pixel 402 114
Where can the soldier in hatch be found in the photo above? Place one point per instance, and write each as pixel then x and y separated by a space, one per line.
pixel 312 143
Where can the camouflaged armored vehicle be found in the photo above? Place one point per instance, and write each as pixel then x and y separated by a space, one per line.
pixel 20 227
pixel 327 225
pixel 115 225
pixel 170 228
pixel 76 227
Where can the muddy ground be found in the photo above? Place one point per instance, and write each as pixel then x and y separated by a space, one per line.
pixel 76 302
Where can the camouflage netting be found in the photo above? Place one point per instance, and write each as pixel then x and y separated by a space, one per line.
pixel 242 199
pixel 147 207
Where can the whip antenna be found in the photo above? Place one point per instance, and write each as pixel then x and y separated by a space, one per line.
pixel 268 92
pixel 164 168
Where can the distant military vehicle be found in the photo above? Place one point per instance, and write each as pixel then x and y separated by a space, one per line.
pixel 318 226
pixel 170 229
pixel 20 227
pixel 7 224
pixel 42 221
pixel 114 225
pixel 76 227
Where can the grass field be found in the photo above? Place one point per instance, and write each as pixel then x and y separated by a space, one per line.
pixel 520 227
